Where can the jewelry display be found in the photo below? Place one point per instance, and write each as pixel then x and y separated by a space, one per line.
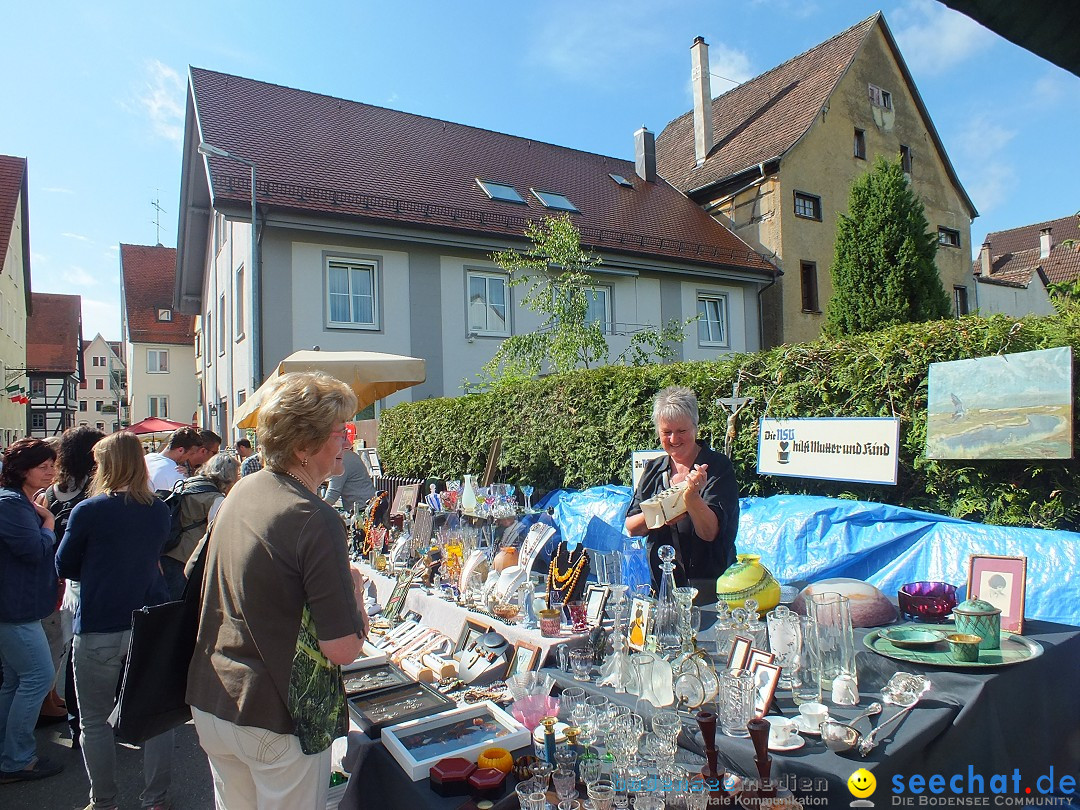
pixel 567 574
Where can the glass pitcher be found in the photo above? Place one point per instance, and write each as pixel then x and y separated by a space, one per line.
pixel 834 638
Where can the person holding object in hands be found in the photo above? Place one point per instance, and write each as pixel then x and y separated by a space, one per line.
pixel 704 535
pixel 281 610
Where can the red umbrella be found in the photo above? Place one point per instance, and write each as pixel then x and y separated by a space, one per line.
pixel 153 424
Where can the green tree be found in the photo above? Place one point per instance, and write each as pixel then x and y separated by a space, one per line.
pixel 555 276
pixel 883 272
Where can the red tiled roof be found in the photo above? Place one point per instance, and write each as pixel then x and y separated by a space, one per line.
pixel 329 156
pixel 54 333
pixel 760 119
pixel 12 182
pixel 1015 253
pixel 148 273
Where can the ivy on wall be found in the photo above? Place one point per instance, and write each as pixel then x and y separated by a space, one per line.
pixel 578 429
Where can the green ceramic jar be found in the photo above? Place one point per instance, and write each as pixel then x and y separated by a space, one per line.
pixel 978 618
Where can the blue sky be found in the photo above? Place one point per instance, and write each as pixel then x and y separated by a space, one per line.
pixel 93 94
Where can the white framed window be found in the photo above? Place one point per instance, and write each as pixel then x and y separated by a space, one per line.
pixel 238 304
pixel 599 303
pixel 352 289
pixel 221 324
pixel 97 405
pixel 500 191
pixel 807 206
pixel 100 425
pixel 37 388
pixel 948 237
pixel 157 361
pixel 99 384
pixel 488 299
pixel 712 323
pixel 159 406
pixel 164 314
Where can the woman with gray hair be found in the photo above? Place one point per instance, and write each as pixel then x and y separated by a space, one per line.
pixel 201 496
pixel 279 610
pixel 704 535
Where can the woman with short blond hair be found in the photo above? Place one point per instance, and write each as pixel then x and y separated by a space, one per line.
pixel 112 544
pixel 279 611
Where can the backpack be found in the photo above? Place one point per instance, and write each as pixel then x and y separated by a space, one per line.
pixel 174 499
pixel 62 509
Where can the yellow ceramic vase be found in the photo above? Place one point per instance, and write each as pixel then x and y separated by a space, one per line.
pixel 748 579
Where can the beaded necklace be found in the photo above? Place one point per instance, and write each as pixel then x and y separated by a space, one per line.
pixel 564 581
pixel 369 523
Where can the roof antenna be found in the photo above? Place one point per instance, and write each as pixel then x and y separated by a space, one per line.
pixel 156 205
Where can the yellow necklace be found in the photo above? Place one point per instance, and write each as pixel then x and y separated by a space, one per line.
pixel 369 523
pixel 565 581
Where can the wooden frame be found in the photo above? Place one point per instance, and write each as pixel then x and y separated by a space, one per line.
pixel 526 658
pixel 758 656
pixel 405 497
pixel 596 597
pixel 740 652
pixel 418 744
pixel 641 608
pixel 374 711
pixel 473 629
pixel 766 677
pixel 1001 581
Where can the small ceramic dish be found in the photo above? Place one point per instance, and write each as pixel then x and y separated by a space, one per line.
pixel 911 637
pixel 794 745
pixel 804 727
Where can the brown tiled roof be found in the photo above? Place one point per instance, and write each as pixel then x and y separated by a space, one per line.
pixel 329 156
pixel 760 119
pixel 54 333
pixel 1015 253
pixel 148 273
pixel 12 184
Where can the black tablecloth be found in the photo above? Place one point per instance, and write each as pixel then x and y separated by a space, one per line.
pixel 1017 722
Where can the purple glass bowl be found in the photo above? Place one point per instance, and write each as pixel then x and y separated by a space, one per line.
pixel 927 601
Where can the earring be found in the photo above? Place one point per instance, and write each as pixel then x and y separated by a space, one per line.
pixel 303 462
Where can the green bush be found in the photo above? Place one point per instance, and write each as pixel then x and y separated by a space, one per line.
pixel 578 429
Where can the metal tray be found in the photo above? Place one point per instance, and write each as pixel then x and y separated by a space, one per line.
pixel 1014 649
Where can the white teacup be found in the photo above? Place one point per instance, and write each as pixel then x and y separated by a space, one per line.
pixel 813 715
pixel 783 731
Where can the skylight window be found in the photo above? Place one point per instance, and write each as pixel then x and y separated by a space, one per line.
pixel 499 191
pixel 552 200
pixel 622 181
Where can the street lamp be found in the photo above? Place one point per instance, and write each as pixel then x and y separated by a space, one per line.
pixel 209 150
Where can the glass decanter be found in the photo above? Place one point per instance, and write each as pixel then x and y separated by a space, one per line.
pixel 667 610
pixel 758 630
pixel 616 669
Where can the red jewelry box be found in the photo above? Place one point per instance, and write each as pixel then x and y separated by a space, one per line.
pixel 450 776
pixel 487 783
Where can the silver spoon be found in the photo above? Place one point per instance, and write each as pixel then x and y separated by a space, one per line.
pixel 870 711
pixel 840 737
pixel 905 699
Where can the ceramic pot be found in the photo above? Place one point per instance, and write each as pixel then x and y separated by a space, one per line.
pixel 748 579
pixel 507 556
pixel 976 617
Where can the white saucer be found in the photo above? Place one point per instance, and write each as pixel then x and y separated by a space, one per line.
pixel 805 729
pixel 795 744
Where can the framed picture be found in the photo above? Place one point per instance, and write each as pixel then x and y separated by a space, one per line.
pixel 641 616
pixel 470 634
pixel 740 652
pixel 1001 581
pixel 526 658
pixel 373 679
pixel 596 597
pixel 758 657
pixel 397 597
pixel 464 732
pixel 374 711
pixel 405 498
pixel 765 676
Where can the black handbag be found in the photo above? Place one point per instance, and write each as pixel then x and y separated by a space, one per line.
pixel 153 695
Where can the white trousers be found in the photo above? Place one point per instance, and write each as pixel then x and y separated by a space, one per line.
pixel 259 769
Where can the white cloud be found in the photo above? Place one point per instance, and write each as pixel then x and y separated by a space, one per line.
pixel 1052 89
pixel 934 38
pixel 983 139
pixel 101 316
pixel 992 185
pixel 57 190
pixel 162 99
pixel 77 236
pixel 38 258
pixel 980 154
pixel 76 276
pixel 730 64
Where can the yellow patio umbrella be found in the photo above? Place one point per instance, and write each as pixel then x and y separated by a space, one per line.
pixel 371 375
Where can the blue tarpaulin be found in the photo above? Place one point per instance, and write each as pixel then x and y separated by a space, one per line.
pixel 809 538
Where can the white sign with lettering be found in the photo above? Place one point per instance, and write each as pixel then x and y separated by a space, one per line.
pixel 838 449
pixel 640 458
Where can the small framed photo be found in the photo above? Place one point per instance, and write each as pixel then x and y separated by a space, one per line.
pixel 740 652
pixel 373 679
pixel 641 617
pixel 405 499
pixel 464 732
pixel 470 634
pixel 596 597
pixel 765 676
pixel 1002 582
pixel 526 658
pixel 374 711
pixel 758 656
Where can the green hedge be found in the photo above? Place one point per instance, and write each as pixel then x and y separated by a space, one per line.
pixel 578 429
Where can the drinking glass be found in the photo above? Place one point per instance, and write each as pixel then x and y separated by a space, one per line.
pixel 785 641
pixel 571 696
pixel 577 616
pixel 581 662
pixel 834 637
pixel 565 781
pixel 584 717
pixel 736 707
pixel 523 791
pixel 591 770
pixel 538 801
pixel 805 683
pixel 602 794
pixel 542 770
pixel 667 724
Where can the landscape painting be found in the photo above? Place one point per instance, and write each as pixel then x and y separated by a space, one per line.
pixel 1007 406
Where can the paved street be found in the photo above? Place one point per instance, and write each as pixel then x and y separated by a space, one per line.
pixel 191 789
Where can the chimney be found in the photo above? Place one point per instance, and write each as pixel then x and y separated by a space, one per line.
pixel 703 112
pixel 1044 243
pixel 986 264
pixel 645 154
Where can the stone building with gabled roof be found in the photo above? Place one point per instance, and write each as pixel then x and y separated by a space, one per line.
pixel 53 363
pixel 376 229
pixel 775 157
pixel 1015 267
